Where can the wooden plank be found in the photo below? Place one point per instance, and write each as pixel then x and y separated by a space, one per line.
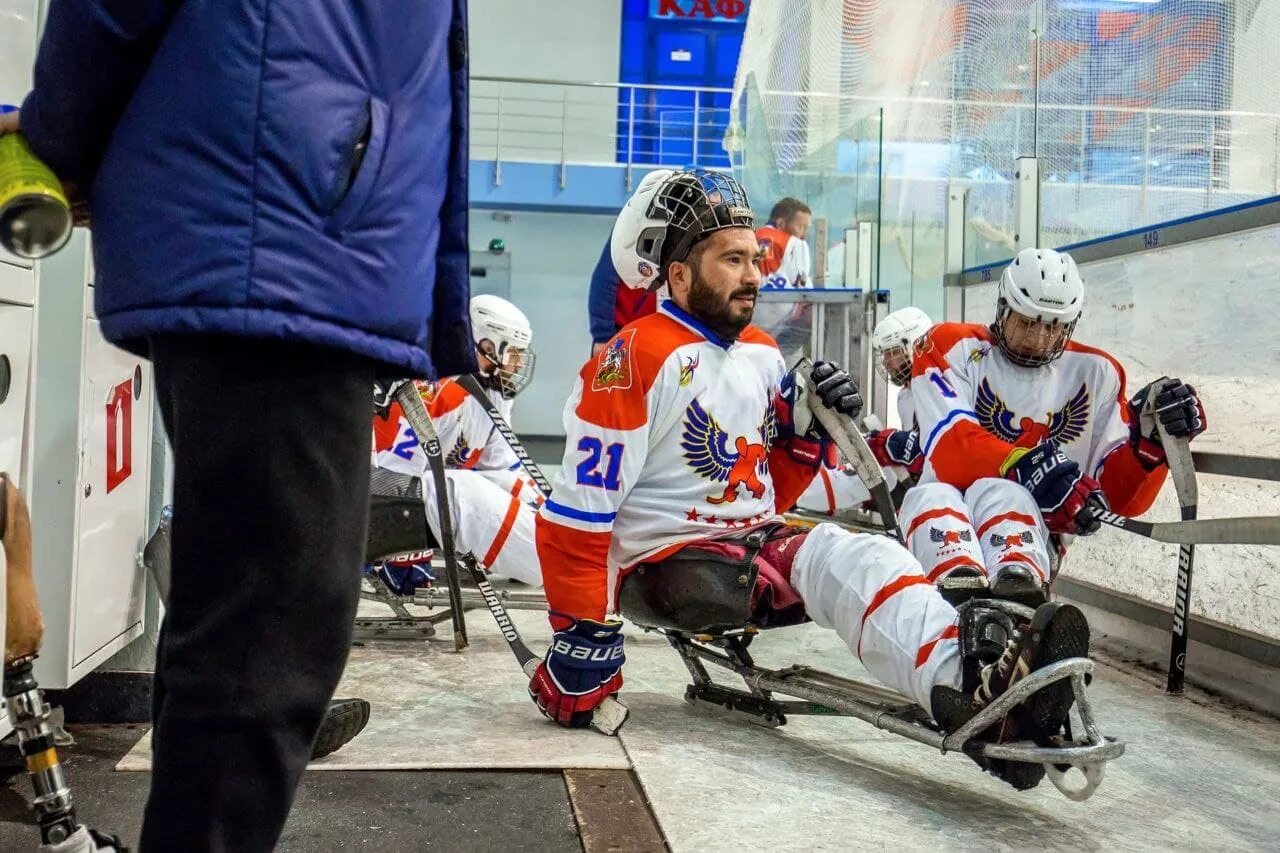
pixel 612 813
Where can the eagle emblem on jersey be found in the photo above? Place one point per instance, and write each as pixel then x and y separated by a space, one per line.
pixel 1061 427
pixel 1013 540
pixel 461 456
pixel 614 368
pixel 706 451
pixel 949 537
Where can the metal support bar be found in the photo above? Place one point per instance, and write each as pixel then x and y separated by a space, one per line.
pixel 564 135
pixel 695 127
pixel 1027 204
pixel 497 143
pixel 631 135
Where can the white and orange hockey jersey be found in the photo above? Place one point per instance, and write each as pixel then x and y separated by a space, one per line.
pixel 468 437
pixel 974 408
pixel 784 258
pixel 671 438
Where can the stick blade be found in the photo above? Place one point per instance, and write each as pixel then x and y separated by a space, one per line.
pixel 1256 530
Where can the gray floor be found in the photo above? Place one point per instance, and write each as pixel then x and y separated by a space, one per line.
pixel 1198 775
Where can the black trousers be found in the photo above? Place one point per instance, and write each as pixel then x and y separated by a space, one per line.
pixel 271 495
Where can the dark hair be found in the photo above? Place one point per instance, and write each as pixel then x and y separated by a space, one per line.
pixel 786 208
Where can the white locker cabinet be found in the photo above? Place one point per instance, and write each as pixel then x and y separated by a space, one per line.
pixel 89 441
pixel 15 362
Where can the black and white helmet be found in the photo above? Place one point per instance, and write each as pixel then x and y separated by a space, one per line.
pixel 668 216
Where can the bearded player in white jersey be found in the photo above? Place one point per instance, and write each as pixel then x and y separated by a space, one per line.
pixel 686 434
pixel 1027 431
pixel 491 499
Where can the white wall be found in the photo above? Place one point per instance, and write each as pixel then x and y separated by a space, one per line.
pixel 572 40
pixel 552 256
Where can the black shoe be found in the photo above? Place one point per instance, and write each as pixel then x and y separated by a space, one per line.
pixel 1057 632
pixel 344 719
pixel 1018 583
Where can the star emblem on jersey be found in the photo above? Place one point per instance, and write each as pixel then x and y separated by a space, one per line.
pixel 706 451
pixel 1061 427
pixel 1013 540
pixel 614 367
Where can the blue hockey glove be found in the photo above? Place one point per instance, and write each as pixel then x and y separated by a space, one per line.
pixel 1066 496
pixel 583 667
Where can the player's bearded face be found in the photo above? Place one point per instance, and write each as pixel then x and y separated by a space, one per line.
pixel 725 281
pixel 1030 338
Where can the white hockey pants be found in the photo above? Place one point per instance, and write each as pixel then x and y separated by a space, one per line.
pixel 875 596
pixel 994 524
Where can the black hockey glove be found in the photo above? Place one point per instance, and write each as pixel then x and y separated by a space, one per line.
pixel 1177 407
pixel 836 388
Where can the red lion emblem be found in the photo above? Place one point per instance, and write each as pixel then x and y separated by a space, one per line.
pixel 706 450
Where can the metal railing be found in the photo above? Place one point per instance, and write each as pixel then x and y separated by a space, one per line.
pixel 630 125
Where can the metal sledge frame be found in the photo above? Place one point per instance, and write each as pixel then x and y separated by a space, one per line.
pixel 823 694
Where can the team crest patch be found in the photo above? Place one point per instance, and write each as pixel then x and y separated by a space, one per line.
pixel 614 367
pixel 923 345
pixel 687 367
pixel 1013 540
pixel 645 269
pixel 979 354
pixel 1061 427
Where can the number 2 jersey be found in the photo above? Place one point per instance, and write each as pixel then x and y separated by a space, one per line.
pixel 975 408
pixel 671 438
pixel 468 438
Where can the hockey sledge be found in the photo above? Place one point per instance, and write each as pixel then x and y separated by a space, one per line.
pixel 701 614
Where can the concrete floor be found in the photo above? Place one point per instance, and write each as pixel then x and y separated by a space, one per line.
pixel 1197 775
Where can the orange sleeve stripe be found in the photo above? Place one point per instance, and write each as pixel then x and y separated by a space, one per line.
pixel 448 395
pixel 574 569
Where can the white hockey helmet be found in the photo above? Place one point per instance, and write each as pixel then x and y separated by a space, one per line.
pixel 668 214
pixel 504 343
pixel 893 341
pixel 1039 301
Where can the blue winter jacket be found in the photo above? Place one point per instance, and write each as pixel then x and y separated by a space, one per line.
pixel 268 168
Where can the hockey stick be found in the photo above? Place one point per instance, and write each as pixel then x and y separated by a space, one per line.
pixel 611 713
pixel 855 450
pixel 1251 530
pixel 472 387
pixel 406 394
pixel 1178 453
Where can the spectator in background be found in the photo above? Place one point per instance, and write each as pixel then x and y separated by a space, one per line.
pixel 279 206
pixel 782 242
pixel 611 302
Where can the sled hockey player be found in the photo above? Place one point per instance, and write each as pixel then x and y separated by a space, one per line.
pixel 892 343
pixel 838 487
pixel 1025 430
pixel 491 499
pixel 684 438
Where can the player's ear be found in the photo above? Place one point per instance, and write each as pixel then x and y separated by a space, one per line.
pixel 679 277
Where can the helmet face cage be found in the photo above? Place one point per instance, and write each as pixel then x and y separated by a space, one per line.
pixel 696 204
pixel 1003 312
pixel 901 374
pixel 510 370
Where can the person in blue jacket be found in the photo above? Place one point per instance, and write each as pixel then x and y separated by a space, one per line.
pixel 278 199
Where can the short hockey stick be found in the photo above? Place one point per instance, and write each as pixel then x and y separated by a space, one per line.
pixel 855 450
pixel 410 400
pixel 611 714
pixel 472 387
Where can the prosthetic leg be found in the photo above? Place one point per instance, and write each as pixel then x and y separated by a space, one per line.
pixel 28 713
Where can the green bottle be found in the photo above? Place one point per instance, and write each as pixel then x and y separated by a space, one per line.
pixel 35 216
